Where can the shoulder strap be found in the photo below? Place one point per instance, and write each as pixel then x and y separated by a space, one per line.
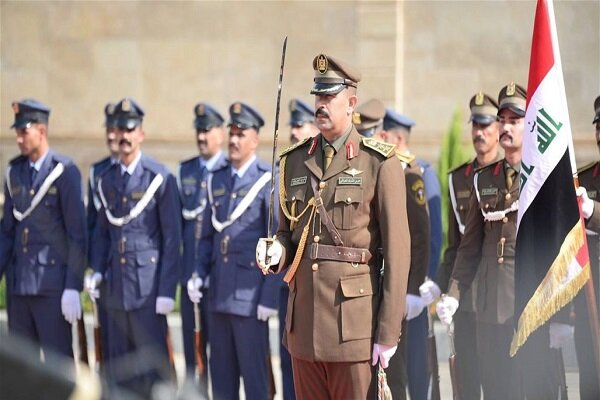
pixel 52 176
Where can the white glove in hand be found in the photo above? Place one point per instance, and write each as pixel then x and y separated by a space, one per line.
pixel 560 334
pixel 382 354
pixel 429 292
pixel 193 288
pixel 275 252
pixel 446 308
pixel 263 313
pixel 91 283
pixel 587 204
pixel 414 306
pixel 164 305
pixel 70 305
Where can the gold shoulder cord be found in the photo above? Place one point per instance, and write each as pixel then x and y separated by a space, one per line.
pixel 293 220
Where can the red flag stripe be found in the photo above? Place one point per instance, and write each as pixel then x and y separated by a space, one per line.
pixel 542 56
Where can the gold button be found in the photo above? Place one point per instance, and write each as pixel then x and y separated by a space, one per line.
pixel 31 192
pixel 348 200
pixel 500 260
pixel 461 207
pixel 153 259
pixel 315 267
pixel 322 185
pixel 124 199
pixel 507 197
pixel 361 291
pixel 317 239
pixel 225 259
pixel 123 260
pixel 233 195
pixel 503 240
pixel 52 261
pixel 203 184
pixel 505 219
pixel 487 205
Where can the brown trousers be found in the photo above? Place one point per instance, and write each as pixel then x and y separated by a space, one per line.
pixel 333 380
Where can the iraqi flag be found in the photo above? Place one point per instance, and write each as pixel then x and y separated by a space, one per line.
pixel 552 261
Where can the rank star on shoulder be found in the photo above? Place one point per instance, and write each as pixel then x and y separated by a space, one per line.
pixel 353 172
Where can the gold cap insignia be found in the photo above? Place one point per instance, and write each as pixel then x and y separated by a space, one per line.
pixel 15 107
pixel 322 64
pixel 200 109
pixel 126 105
pixel 510 89
pixel 356 120
pixel 237 108
pixel 479 99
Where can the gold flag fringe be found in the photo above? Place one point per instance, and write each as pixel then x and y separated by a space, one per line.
pixel 550 296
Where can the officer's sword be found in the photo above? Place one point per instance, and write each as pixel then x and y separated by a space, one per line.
pixel 270 237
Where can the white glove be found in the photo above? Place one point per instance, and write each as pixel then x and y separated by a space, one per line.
pixel 382 353
pixel 446 308
pixel 91 283
pixel 587 204
pixel 560 334
pixel 414 306
pixel 70 305
pixel 263 313
pixel 193 288
pixel 164 305
pixel 275 252
pixel 429 291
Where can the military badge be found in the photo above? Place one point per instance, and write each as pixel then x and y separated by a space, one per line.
pixel 243 192
pixel 463 194
pixel 353 172
pixel 322 64
pixel 219 192
pixel 510 89
pixel 489 191
pixel 592 194
pixel 237 108
pixel 53 190
pixel 200 110
pixel 298 181
pixel 126 105
pixel 137 195
pixel 418 189
pixel 479 99
pixel 350 180
pixel 189 180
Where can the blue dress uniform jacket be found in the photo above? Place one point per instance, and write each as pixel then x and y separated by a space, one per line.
pixel 45 252
pixel 94 203
pixel 236 285
pixel 138 260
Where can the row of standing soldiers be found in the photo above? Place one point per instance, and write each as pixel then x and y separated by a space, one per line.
pixel 148 231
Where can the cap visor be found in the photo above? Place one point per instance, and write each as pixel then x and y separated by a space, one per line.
pixel 482 119
pixel 514 108
pixel 327 88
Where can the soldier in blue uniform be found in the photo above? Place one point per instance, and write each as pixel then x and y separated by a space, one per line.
pixel 416 359
pixel 43 236
pixel 240 298
pixel 192 178
pixel 136 252
pixel 93 206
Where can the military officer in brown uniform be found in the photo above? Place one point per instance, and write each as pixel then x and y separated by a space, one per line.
pixel 486 258
pixel 484 134
pixel 368 120
pixel 343 197
pixel 589 178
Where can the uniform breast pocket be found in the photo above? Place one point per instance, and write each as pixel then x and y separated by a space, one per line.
pixel 147 262
pixel 488 202
pixel 357 307
pixel 51 199
pixel 347 202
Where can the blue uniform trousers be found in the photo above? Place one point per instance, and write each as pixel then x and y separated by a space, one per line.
pixel 287 375
pixel 137 350
pixel 238 346
pixel 187 327
pixel 416 356
pixel 40 320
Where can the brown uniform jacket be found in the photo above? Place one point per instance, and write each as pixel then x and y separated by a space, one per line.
pixel 589 178
pixel 487 249
pixel 337 309
pixel 418 223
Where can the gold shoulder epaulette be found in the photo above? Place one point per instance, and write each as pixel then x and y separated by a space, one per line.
pixel 460 166
pixel 586 167
pixel 407 158
pixel 385 149
pixel 295 146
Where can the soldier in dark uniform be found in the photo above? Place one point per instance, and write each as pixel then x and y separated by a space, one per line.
pixel 589 178
pixel 240 299
pixel 136 252
pixel 484 134
pixel 192 179
pixel 368 119
pixel 486 259
pixel 397 130
pixel 94 205
pixel 43 236
pixel 342 317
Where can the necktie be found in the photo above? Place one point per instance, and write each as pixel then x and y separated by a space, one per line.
pixel 32 174
pixel 125 178
pixel 510 175
pixel 328 152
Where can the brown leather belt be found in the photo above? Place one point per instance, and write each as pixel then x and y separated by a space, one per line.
pixel 319 251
